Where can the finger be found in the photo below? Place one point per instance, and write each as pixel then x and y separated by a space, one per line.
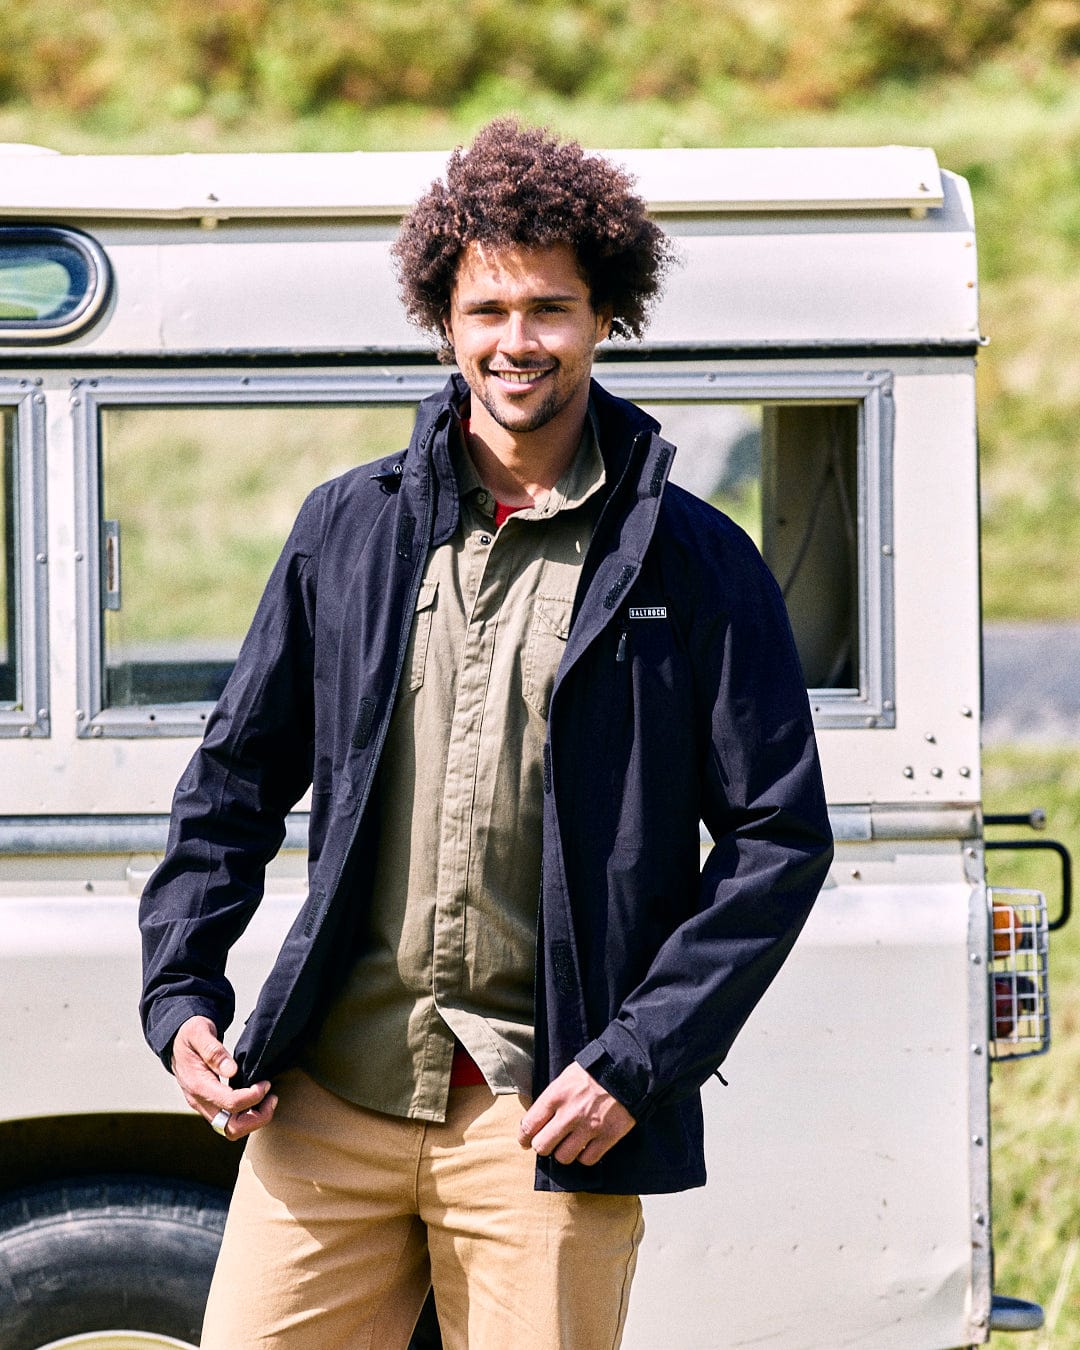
pixel 534 1119
pixel 247 1122
pixel 593 1151
pixel 572 1147
pixel 238 1101
pixel 548 1139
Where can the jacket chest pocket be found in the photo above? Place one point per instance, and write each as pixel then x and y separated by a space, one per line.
pixel 416 657
pixel 544 647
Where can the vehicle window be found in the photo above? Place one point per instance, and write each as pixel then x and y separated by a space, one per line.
pixel 9 690
pixel 197 502
pixel 788 474
pixel 53 282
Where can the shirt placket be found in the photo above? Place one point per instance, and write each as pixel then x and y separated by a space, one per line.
pixel 484 580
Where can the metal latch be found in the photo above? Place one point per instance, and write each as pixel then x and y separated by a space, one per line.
pixel 1036 820
pixel 110 564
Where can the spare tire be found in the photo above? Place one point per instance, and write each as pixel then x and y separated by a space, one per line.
pixel 107 1255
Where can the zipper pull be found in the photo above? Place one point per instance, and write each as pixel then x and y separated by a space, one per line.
pixel 620 653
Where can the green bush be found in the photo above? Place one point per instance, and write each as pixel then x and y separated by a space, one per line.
pixel 311 55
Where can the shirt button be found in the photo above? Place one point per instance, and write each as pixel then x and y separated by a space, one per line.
pixel 485 538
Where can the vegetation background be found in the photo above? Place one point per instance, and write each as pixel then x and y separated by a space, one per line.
pixel 992 85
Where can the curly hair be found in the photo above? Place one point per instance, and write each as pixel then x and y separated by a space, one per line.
pixel 521 186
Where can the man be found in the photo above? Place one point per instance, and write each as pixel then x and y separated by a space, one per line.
pixel 516 670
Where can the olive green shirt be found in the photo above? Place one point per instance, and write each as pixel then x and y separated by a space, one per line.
pixel 450 945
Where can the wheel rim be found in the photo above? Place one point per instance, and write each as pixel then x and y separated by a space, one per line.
pixel 118 1340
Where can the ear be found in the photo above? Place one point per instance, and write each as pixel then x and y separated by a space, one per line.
pixel 447 328
pixel 604 317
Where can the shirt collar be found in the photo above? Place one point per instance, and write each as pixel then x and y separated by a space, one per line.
pixel 583 477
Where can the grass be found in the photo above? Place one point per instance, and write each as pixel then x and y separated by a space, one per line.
pixel 226 486
pixel 1034 1103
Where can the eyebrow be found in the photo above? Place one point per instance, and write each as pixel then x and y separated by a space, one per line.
pixel 568 298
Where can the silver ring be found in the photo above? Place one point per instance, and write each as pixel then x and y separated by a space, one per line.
pixel 220 1121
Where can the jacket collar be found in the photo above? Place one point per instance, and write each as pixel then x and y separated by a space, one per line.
pixel 636 459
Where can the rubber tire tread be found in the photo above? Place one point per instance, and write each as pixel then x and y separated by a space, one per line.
pixel 106 1253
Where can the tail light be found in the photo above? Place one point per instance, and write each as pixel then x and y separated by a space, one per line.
pixel 1019 985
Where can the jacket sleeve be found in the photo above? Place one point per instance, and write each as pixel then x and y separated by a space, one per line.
pixel 229 809
pixel 763 803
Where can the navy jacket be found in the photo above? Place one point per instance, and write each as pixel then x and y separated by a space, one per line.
pixel 679 698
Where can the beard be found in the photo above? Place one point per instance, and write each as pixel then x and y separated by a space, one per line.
pixel 555 399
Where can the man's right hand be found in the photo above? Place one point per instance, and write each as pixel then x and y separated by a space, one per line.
pixel 203 1068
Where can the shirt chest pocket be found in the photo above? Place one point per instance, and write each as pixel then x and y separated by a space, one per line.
pixel 544 647
pixel 416 657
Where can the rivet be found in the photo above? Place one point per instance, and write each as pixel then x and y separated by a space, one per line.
pixel 96 731
pixel 977 1140
pixel 40 557
pixel 976 1049
pixel 78 557
pixel 936 773
pixel 975 959
pixel 969 853
pixel 909 772
pixel 39 399
pixel 75 402
pixel 43 712
pixel 980 1219
pixel 888 705
pixel 24 731
pixel 964 771
pixel 965 711
pixel 930 738
pixel 80 716
pixel 855 874
pixel 887 550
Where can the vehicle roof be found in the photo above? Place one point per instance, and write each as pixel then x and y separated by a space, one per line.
pixel 39 182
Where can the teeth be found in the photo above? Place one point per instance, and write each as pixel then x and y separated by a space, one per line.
pixel 518 376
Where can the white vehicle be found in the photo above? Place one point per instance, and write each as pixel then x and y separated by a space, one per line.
pixel 187 345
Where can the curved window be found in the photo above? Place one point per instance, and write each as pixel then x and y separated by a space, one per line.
pixel 53 282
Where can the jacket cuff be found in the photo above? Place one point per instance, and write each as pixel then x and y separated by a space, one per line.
pixel 615 1060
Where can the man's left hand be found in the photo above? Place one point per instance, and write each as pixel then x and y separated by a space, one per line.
pixel 575 1119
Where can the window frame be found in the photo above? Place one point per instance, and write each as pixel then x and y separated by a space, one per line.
pixel 872 705
pixel 30 716
pixel 89 396
pixel 95 297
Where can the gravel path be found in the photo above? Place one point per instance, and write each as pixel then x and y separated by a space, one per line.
pixel 1031 676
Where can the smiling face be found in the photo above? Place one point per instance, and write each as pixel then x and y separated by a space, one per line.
pixel 523 330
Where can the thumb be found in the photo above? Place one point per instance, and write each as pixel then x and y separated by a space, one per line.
pixel 202 1038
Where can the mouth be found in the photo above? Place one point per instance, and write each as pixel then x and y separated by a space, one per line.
pixel 521 379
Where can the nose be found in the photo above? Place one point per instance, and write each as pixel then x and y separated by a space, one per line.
pixel 517 336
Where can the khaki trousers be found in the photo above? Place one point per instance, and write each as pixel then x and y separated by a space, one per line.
pixel 342 1217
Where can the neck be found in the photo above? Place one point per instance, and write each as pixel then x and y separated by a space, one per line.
pixel 519 467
